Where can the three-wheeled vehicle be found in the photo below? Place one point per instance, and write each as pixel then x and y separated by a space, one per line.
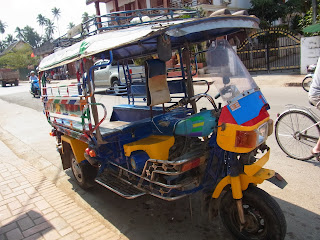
pixel 161 143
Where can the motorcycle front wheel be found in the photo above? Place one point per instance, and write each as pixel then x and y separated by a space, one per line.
pixel 263 216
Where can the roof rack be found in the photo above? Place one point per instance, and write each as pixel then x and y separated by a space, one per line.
pixel 124 19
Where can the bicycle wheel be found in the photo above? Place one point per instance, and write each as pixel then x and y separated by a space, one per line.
pixel 306 83
pixel 294 134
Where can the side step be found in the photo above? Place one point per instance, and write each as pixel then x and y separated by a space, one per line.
pixel 119 186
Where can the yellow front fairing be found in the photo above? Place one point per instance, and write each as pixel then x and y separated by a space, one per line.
pixel 226 136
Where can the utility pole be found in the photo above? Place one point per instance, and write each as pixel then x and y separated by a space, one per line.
pixel 314 11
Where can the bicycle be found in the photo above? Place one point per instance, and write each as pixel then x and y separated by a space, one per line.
pixel 297 131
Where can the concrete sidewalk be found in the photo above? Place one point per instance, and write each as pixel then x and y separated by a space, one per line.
pixel 32 207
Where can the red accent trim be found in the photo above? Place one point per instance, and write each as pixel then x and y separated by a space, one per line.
pixel 226 117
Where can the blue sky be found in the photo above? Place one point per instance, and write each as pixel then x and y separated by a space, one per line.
pixel 19 13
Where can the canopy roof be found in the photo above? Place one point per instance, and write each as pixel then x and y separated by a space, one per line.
pixel 142 39
pixel 312 28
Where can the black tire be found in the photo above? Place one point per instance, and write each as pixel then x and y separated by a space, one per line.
pixel 264 217
pixel 306 82
pixel 16 82
pixel 3 84
pixel 83 172
pixel 291 140
pixel 115 86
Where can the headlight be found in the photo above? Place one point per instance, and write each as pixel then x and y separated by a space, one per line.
pixel 252 139
pixel 262 132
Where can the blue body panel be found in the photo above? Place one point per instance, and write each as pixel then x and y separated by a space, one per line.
pixel 132 113
pixel 247 107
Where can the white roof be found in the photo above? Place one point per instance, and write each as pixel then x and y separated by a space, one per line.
pixel 179 31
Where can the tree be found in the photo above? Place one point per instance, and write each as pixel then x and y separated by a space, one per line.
pixel 50 28
pixel 41 21
pixel 71 25
pixel 3 26
pixel 20 58
pixel 31 36
pixel 19 33
pixel 2 46
pixel 85 18
pixel 307 21
pixel 9 39
pixel 56 15
pixel 268 11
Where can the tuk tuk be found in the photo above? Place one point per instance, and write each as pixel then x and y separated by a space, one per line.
pixel 162 142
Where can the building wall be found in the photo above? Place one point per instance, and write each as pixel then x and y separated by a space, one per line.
pixel 216 4
pixel 310 52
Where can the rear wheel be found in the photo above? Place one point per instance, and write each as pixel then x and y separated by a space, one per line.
pixel 264 219
pixel 3 84
pixel 84 173
pixel 306 83
pixel 16 82
pixel 296 135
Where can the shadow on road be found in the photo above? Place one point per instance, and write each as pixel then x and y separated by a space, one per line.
pixel 148 217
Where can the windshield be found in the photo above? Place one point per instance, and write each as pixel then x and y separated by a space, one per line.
pixel 227 71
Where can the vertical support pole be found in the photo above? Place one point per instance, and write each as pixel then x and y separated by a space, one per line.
pixel 182 68
pixel 94 108
pixel 190 90
pixel 165 3
pixel 314 11
pixel 115 5
pixel 136 4
pixel 98 14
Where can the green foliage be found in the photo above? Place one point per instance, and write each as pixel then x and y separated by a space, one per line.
pixel 70 25
pixel 50 28
pixel 2 27
pixel 31 36
pixel 17 59
pixel 267 10
pixel 2 46
pixel 306 20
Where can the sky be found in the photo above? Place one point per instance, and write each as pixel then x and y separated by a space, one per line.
pixel 19 13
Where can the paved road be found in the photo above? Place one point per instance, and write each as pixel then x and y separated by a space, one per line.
pixel 299 200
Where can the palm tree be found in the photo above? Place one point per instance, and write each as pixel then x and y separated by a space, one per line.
pixel 9 39
pixel 2 46
pixel 19 33
pixel 41 21
pixel 49 29
pixel 85 18
pixel 56 15
pixel 3 26
pixel 71 25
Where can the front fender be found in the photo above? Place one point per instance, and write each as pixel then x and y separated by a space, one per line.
pixel 241 182
pixel 253 173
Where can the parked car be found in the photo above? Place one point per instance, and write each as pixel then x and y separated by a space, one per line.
pixel 109 76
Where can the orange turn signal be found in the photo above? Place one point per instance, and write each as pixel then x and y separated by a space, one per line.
pixel 246 139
